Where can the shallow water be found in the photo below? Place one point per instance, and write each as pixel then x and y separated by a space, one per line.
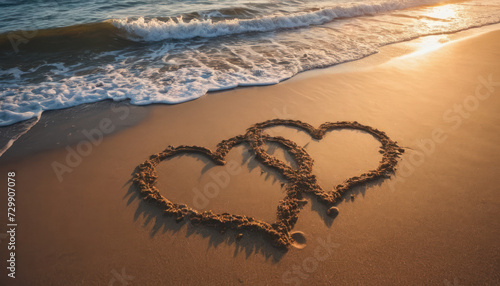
pixel 56 54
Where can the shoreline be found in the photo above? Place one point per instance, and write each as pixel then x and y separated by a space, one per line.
pixel 386 54
pixel 399 50
pixel 434 221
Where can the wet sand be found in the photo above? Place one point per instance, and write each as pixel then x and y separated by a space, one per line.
pixel 81 221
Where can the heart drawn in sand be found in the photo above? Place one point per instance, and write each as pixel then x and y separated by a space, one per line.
pixel 300 181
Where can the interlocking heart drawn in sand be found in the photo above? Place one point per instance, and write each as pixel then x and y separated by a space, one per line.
pixel 300 181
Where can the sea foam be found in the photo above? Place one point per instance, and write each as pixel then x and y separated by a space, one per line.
pixel 142 29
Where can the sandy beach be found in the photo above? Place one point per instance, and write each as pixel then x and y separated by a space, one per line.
pixel 434 222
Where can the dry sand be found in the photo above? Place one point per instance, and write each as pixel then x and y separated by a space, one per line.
pixel 436 222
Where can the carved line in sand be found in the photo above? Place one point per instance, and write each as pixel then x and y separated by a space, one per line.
pixel 300 180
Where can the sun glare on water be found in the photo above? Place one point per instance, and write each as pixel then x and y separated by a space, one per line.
pixel 439 18
pixel 444 12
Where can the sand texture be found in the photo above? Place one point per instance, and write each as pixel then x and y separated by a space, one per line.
pixel 91 198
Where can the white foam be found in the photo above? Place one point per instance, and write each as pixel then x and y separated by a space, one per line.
pixel 21 102
pixel 156 30
pixel 179 71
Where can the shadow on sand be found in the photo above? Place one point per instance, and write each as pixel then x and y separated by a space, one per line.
pixel 251 243
pixel 217 232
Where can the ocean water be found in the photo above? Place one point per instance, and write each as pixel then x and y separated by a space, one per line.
pixel 60 53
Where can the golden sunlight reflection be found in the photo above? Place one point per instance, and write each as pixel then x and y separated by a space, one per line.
pixel 427 44
pixel 440 18
pixel 444 12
